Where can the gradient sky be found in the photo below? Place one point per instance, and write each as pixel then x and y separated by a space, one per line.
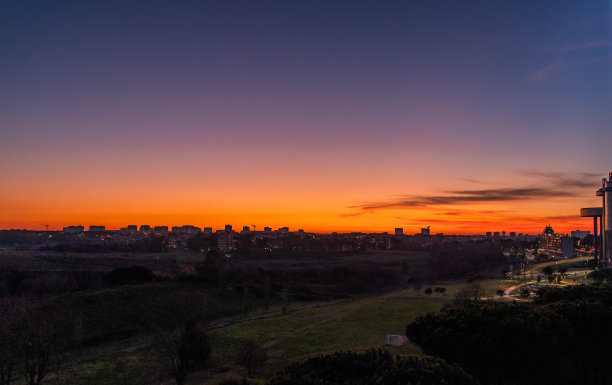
pixel 322 115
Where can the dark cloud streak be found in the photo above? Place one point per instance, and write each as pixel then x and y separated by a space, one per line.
pixel 585 179
pixel 469 196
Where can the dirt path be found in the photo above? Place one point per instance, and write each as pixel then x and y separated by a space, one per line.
pixel 512 288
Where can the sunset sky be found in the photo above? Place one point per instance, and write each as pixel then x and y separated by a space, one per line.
pixel 323 115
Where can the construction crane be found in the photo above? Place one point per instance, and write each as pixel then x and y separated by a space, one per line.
pixel 46 227
pixel 254 227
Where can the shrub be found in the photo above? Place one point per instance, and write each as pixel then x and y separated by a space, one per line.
pixel 129 275
pixel 374 366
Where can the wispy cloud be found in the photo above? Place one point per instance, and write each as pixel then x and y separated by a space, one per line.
pixel 476 181
pixel 527 221
pixel 544 72
pixel 472 212
pixel 549 184
pixel 548 70
pixel 584 179
pixel 467 197
pixel 579 47
pixel 349 215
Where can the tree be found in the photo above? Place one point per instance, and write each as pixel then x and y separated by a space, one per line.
pixel 44 337
pixel 416 284
pixel 129 275
pixel 428 291
pixel 371 367
pixel 212 269
pixel 10 281
pixel 440 290
pixel 251 355
pixel 490 338
pixel 500 292
pixel 473 291
pixel 10 319
pixel 601 275
pixel 548 271
pixel 178 336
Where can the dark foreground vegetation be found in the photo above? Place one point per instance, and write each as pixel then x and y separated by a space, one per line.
pixel 562 338
pixel 55 306
pixel 372 367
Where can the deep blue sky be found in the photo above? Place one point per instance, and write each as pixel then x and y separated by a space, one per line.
pixel 457 88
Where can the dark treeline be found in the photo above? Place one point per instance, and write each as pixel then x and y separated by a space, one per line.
pixel 289 245
pixel 29 237
pixel 153 244
pixel 327 281
pixel 457 260
pixel 318 283
pixel 38 337
pixel 14 282
pixel 562 338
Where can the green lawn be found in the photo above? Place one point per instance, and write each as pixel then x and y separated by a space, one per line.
pixel 348 325
pixel 306 329
pixel 556 264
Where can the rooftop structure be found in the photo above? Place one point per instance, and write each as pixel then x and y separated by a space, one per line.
pixel 604 213
pixel 548 230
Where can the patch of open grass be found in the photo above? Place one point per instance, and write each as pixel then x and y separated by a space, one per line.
pixel 347 325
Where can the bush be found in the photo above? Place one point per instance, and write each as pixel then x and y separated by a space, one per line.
pixel 129 275
pixel 251 356
pixel 374 366
pixel 601 275
pixel 562 342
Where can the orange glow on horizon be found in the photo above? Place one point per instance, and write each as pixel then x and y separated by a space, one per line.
pixel 323 194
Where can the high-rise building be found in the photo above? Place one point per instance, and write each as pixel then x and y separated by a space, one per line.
pixel 97 228
pixel 74 229
pixel 549 241
pixel 225 239
pixel 425 231
pixel 399 231
pixel 567 247
pixel 160 229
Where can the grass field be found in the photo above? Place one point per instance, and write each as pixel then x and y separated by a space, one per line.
pixel 307 329
pixel 574 263
pixel 346 325
pixel 304 331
